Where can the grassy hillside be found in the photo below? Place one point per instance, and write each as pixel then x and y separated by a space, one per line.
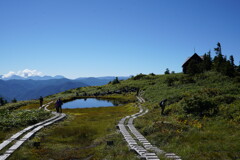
pixel 201 119
pixel 202 116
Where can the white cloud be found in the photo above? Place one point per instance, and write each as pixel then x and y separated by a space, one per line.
pixel 9 74
pixel 24 73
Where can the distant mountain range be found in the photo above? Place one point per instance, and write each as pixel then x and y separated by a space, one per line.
pixel 33 87
pixel 98 81
pixel 31 77
pixel 17 77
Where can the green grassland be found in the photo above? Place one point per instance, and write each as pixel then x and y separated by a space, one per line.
pixel 201 119
pixel 83 134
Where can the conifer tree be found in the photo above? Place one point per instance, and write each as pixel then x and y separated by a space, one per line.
pixel 3 101
pixel 167 71
pixel 14 100
pixel 231 60
pixel 115 81
pixel 238 68
pixel 207 62
pixel 218 59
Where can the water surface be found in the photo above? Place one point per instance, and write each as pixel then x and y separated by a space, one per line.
pixel 89 103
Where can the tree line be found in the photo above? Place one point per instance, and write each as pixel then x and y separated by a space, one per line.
pixel 219 63
pixel 3 101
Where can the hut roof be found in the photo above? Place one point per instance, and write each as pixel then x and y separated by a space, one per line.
pixel 195 55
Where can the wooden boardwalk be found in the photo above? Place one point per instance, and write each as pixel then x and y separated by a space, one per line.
pixel 22 136
pixel 137 142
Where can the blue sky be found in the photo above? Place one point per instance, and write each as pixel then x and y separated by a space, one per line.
pixel 81 38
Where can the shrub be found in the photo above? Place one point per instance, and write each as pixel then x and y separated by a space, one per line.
pixel 13 106
pixel 237 79
pixel 66 92
pixel 199 106
pixel 210 92
pixel 139 76
pixel 152 74
pixel 224 99
pixel 186 80
pixel 231 112
pixel 170 81
pixel 20 118
pixel 174 99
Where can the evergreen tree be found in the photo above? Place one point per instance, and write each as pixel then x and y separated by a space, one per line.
pixel 231 60
pixel 238 68
pixel 207 62
pixel 3 101
pixel 167 71
pixel 115 81
pixel 218 49
pixel 222 65
pixel 218 59
pixel 14 100
pixel 228 69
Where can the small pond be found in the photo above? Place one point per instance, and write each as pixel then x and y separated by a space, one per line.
pixel 89 103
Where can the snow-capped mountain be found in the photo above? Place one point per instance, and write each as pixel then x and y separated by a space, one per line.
pixel 31 77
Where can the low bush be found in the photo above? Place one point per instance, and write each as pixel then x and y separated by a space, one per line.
pixel 174 99
pixel 13 106
pixel 210 92
pixel 152 74
pixel 224 99
pixel 170 81
pixel 186 80
pixel 21 118
pixel 199 106
pixel 237 79
pixel 139 76
pixel 231 112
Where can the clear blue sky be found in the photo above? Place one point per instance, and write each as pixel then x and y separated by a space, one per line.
pixel 81 38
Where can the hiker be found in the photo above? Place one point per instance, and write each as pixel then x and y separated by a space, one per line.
pixel 41 101
pixel 138 90
pixel 58 105
pixel 162 105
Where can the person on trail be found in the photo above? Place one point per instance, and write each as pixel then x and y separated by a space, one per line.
pixel 41 101
pixel 58 105
pixel 138 90
pixel 162 105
